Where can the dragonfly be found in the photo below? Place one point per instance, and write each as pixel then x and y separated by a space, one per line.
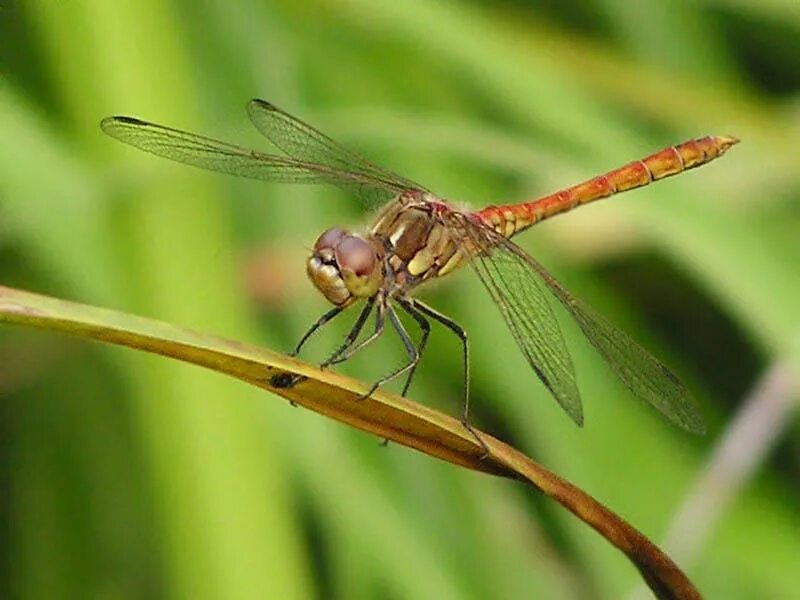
pixel 419 236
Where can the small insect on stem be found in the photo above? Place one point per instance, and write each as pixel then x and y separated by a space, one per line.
pixel 285 380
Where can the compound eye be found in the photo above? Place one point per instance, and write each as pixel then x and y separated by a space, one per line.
pixel 356 255
pixel 329 240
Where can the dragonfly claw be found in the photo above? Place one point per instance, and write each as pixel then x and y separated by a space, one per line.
pixel 369 393
pixel 474 433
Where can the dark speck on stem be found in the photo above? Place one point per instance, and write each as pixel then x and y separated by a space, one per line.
pixel 285 380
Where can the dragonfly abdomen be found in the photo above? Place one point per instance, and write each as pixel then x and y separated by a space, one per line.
pixel 510 219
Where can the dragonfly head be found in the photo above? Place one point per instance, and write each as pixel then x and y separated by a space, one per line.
pixel 344 267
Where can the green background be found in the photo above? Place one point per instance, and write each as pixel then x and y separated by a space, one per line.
pixel 126 476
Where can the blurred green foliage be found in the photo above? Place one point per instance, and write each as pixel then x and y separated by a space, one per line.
pixel 128 477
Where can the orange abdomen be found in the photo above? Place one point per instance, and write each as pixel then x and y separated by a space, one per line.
pixel 510 219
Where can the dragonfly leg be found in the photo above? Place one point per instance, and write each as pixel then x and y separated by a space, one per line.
pixel 462 335
pixel 425 326
pixel 348 349
pixel 328 316
pixel 355 331
pixel 411 351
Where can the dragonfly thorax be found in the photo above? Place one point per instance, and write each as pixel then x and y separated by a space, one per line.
pixel 344 267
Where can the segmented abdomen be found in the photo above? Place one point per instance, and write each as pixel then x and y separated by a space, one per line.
pixel 510 219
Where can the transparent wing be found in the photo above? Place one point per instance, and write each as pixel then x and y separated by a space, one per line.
pixel 524 303
pixel 644 375
pixel 303 142
pixel 215 155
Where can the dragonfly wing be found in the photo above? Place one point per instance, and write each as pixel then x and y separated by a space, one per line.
pixel 215 155
pixel 642 373
pixel 639 370
pixel 524 303
pixel 303 142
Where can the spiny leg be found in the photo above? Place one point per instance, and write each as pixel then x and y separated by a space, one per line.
pixel 348 350
pixel 462 334
pixel 411 351
pixel 280 380
pixel 328 316
pixel 355 331
pixel 425 326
